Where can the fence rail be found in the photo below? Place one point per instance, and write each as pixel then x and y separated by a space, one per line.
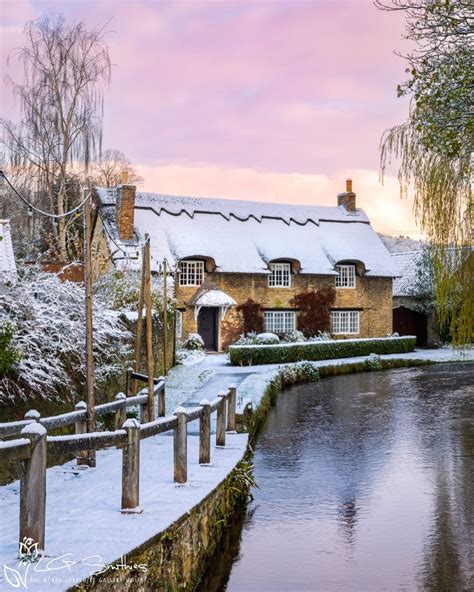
pixel 13 428
pixel 34 446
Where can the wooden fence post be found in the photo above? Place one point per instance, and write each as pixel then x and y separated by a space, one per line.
pixel 131 469
pixel 129 386
pixel 149 330
pixel 221 413
pixel 33 486
pixel 231 406
pixel 81 428
pixel 120 414
pixel 180 442
pixel 161 400
pixel 144 412
pixel 205 433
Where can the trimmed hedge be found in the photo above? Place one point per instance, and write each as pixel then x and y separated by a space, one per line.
pixel 248 355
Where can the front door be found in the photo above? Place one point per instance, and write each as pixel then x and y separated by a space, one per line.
pixel 207 327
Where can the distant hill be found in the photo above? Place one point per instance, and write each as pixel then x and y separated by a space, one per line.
pixel 400 244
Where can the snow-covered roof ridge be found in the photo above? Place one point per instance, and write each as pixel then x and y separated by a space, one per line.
pixel 7 257
pixel 241 210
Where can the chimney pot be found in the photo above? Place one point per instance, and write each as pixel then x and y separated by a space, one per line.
pixel 124 177
pixel 348 198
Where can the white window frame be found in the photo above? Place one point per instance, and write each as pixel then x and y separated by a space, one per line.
pixel 280 322
pixel 280 276
pixel 345 322
pixel 346 277
pixel 179 324
pixel 191 272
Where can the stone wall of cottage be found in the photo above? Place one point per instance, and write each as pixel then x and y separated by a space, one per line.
pixel 371 296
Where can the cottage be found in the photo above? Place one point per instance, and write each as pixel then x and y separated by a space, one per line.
pixel 7 258
pixel 228 251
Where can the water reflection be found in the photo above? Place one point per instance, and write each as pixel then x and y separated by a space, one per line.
pixel 366 484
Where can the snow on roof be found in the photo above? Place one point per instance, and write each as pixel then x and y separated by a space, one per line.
pixel 242 237
pixel 7 258
pixel 407 264
pixel 214 298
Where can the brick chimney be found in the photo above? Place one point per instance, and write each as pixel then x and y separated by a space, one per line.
pixel 348 198
pixel 124 208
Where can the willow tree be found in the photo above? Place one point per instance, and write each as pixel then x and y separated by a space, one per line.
pixel 434 147
pixel 64 70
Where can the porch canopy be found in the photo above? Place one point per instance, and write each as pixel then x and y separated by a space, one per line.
pixel 213 298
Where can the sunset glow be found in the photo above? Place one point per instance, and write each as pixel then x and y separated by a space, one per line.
pixel 261 100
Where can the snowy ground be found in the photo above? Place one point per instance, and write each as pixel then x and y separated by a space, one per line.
pixel 84 527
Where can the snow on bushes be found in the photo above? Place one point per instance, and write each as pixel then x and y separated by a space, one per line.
pixel 49 317
pixel 193 342
pixel 322 350
pixel 258 339
pixel 121 289
pixel 373 363
pixel 267 339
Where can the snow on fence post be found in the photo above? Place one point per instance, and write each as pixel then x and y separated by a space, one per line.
pixel 205 433
pixel 81 428
pixel 221 413
pixel 180 444
pixel 33 486
pixel 161 399
pixel 131 469
pixel 231 407
pixel 33 414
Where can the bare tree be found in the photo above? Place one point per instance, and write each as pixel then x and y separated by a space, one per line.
pixel 65 70
pixel 108 170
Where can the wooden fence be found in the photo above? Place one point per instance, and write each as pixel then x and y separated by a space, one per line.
pixel 34 445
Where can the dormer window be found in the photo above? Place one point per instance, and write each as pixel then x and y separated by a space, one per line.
pixel 191 273
pixel 346 277
pixel 280 276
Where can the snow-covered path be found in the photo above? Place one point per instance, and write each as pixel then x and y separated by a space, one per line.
pixel 83 516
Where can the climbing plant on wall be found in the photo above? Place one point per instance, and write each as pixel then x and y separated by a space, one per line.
pixel 315 310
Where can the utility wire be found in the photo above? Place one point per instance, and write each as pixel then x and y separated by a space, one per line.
pixel 42 212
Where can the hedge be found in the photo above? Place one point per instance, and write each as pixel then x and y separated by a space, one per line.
pixel 247 355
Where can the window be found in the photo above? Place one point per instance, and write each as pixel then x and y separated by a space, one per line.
pixel 191 273
pixel 279 322
pixel 345 321
pixel 280 276
pixel 179 324
pixel 346 277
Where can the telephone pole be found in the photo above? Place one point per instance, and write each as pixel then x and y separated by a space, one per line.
pixel 90 413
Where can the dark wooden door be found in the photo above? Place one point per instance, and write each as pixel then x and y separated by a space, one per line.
pixel 410 322
pixel 207 327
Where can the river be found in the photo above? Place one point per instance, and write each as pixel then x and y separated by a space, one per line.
pixel 366 483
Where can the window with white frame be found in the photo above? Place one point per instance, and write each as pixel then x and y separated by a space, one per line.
pixel 280 276
pixel 191 273
pixel 179 324
pixel 346 277
pixel 279 321
pixel 345 322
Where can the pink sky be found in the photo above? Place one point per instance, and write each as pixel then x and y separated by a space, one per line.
pixel 264 100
